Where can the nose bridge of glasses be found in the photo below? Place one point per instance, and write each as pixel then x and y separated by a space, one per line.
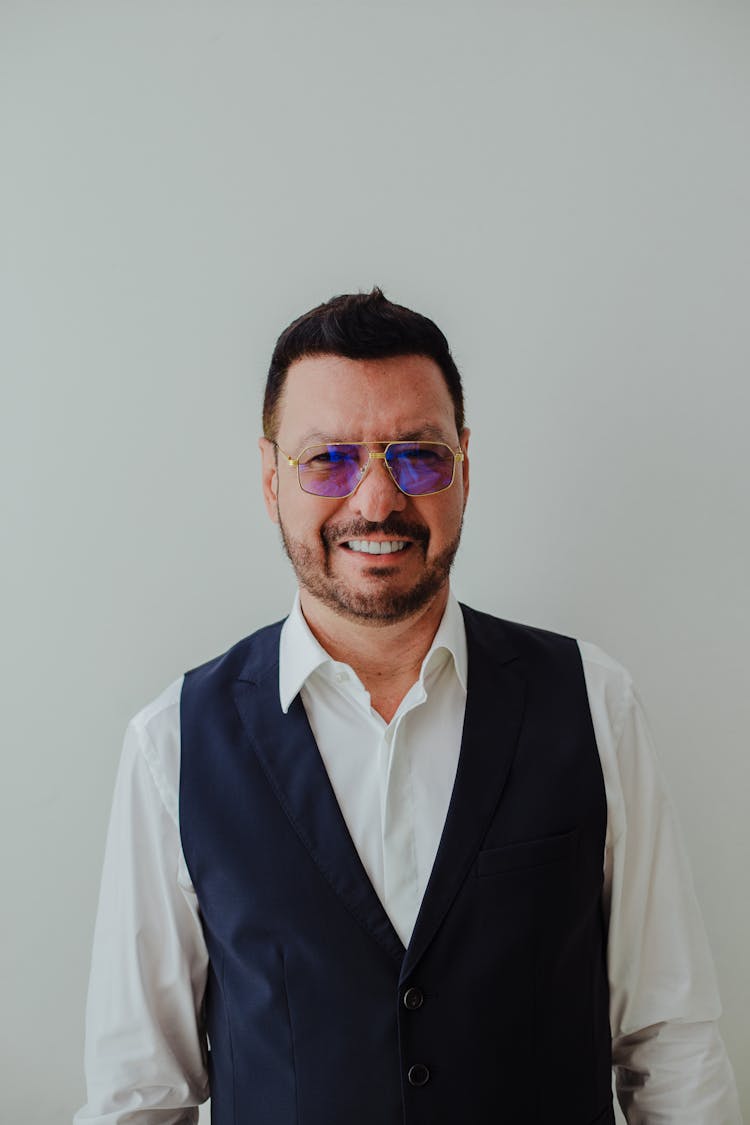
pixel 376 455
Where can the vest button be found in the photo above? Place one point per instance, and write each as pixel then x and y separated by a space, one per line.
pixel 418 1075
pixel 413 998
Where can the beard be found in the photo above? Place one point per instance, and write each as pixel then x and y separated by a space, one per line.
pixel 376 606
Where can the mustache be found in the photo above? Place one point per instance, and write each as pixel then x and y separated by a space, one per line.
pixel 393 528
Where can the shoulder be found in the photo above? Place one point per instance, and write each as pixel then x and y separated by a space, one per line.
pixel 609 685
pixel 516 632
pixel 510 640
pixel 153 736
pixel 250 658
pixel 250 655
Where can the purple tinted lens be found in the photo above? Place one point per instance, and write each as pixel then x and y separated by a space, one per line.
pixel 331 470
pixel 420 468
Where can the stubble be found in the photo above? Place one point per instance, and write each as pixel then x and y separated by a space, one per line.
pixel 381 605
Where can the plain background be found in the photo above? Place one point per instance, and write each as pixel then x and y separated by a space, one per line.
pixel 563 187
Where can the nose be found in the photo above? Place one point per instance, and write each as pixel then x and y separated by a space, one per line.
pixel 377 495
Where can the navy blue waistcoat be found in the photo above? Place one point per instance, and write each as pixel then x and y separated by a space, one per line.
pixel 498 1010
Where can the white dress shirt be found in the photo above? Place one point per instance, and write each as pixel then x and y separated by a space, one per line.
pixel 145 1045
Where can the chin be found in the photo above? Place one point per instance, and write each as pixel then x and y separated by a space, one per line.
pixel 376 603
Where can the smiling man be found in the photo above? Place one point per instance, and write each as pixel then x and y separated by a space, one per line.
pixel 394 861
pixel 371 524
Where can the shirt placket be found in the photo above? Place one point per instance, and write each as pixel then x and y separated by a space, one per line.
pixel 399 840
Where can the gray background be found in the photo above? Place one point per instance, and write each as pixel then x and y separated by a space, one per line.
pixel 562 186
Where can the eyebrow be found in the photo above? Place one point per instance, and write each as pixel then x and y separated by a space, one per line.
pixel 424 433
pixel 427 433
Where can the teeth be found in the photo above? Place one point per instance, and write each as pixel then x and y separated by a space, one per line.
pixel 370 547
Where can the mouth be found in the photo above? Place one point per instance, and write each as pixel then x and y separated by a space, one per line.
pixel 366 539
pixel 375 546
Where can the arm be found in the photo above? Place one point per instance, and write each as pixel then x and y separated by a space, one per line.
pixel 145 1047
pixel 671 1067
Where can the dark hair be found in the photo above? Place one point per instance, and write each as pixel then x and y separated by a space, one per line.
pixel 358 326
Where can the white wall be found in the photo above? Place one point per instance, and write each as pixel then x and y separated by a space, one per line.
pixel 564 187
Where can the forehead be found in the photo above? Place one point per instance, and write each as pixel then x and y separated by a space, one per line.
pixel 328 396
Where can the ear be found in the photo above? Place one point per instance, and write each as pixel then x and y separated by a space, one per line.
pixel 269 476
pixel 464 442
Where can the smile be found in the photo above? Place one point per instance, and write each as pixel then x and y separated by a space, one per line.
pixel 376 547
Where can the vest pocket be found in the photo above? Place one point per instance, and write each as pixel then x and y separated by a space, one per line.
pixel 528 853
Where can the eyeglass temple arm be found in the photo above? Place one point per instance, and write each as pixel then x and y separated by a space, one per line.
pixel 293 461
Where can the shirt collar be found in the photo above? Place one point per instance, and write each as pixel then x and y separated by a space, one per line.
pixel 300 654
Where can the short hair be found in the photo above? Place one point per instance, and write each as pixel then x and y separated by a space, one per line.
pixel 358 326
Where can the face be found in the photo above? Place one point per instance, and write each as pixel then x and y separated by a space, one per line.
pixel 330 398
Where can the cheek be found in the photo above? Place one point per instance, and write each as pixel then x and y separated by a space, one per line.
pixel 444 520
pixel 301 516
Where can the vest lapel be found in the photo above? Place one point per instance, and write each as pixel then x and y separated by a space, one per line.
pixel 492 724
pixel 288 754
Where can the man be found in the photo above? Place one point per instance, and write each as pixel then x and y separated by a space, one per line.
pixel 395 860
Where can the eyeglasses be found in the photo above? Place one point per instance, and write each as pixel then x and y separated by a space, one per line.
pixel 336 469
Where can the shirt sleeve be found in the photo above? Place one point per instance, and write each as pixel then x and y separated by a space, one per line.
pixel 671 1067
pixel 145 1050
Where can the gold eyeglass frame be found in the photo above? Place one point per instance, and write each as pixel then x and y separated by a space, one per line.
pixel 374 455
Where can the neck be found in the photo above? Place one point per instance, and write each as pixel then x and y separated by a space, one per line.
pixel 387 656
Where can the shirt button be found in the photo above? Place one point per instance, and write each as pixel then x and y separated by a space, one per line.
pixel 413 999
pixel 418 1075
pixel 342 677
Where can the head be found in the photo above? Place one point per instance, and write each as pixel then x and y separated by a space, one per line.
pixel 361 369
pixel 358 326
